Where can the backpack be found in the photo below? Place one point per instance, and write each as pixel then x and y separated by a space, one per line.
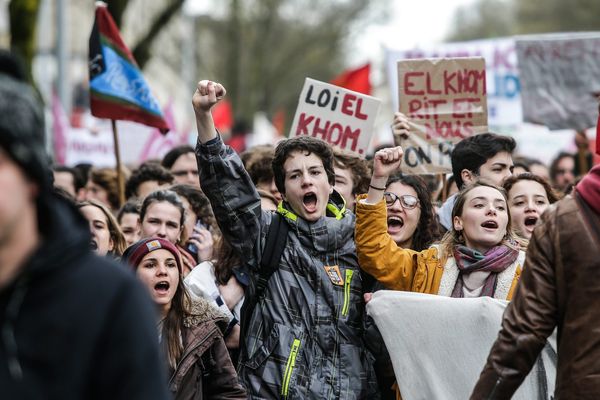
pixel 274 244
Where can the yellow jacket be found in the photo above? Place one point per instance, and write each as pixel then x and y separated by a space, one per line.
pixel 409 270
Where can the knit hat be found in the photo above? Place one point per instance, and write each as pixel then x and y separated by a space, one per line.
pixel 133 254
pixel 22 124
pixel 589 189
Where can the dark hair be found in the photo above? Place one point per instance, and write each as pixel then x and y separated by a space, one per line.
pixel 199 204
pixel 427 230
pixel 225 261
pixel 160 196
pixel 358 168
pixel 474 151
pixel 551 194
pixel 78 180
pixel 131 207
pixel 257 161
pixel 173 154
pixel 522 162
pixel 556 160
pixel 145 173
pixel 107 179
pixel 308 145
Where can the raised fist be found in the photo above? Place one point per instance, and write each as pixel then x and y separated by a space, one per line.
pixel 207 94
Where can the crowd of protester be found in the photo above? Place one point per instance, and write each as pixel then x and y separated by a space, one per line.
pixel 200 228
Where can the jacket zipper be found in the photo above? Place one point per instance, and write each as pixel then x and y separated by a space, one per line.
pixel 346 306
pixel 289 367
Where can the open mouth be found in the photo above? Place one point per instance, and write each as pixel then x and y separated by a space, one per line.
pixel 310 201
pixel 395 222
pixel 162 287
pixel 530 221
pixel 490 225
pixel 93 245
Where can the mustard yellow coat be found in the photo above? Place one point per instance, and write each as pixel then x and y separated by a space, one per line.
pixel 409 270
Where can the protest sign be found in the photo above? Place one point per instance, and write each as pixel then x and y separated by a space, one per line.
pixel 339 116
pixel 502 74
pixel 560 79
pixel 445 101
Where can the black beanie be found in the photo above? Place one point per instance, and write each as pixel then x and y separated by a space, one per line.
pixel 22 129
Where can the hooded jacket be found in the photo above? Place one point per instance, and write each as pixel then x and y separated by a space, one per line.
pixel 205 370
pixel 305 335
pixel 74 325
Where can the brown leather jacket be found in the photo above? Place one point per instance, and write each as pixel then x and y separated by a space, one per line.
pixel 559 288
pixel 205 370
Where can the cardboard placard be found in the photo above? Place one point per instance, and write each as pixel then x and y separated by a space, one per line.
pixel 339 116
pixel 560 78
pixel 445 101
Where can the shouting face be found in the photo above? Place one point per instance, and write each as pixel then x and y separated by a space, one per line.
pixel 527 200
pixel 307 188
pixel 484 218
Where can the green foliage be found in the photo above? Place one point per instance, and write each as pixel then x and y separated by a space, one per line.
pixel 483 19
pixel 495 18
pixel 265 48
pixel 23 25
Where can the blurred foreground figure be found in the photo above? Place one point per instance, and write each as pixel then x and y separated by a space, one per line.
pixel 559 288
pixel 73 325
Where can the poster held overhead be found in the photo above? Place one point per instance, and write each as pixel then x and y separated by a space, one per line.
pixel 445 101
pixel 341 117
pixel 560 79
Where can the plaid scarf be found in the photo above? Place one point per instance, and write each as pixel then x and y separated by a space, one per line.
pixel 495 260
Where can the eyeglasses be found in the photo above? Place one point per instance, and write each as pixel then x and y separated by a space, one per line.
pixel 185 172
pixel 407 201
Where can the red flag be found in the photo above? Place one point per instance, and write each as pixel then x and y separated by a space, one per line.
pixel 223 116
pixel 355 79
pixel 118 89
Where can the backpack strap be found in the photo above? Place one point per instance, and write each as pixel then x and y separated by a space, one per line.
pixel 274 245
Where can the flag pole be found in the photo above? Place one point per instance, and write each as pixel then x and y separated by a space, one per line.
pixel 120 180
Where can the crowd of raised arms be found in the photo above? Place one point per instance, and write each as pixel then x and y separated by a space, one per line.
pixel 260 265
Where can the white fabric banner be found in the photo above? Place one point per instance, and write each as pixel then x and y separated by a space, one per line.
pixel 439 345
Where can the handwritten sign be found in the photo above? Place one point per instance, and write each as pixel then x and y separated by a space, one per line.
pixel 560 78
pixel 445 101
pixel 502 74
pixel 339 116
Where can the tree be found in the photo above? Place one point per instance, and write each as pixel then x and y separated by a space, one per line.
pixel 265 48
pixel 23 27
pixel 494 18
pixel 482 19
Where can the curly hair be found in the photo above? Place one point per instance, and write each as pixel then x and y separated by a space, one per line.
pixel 357 166
pixel 428 230
pixel 106 178
pixel 257 161
pixel 307 145
pixel 147 172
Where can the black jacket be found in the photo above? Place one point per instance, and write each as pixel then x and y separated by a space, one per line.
pixel 76 326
